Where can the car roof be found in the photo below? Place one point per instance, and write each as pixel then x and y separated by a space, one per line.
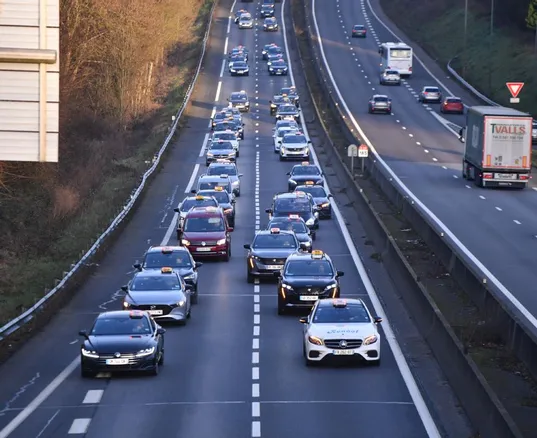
pixel 287 219
pixel 380 95
pixel 118 314
pixel 290 195
pixel 431 87
pixel 308 256
pixel 152 273
pixel 306 165
pixel 165 249
pixel 330 301
pixel 453 98
pixel 214 178
pixel 205 212
pixel 214 191
pixel 269 232
pixel 301 187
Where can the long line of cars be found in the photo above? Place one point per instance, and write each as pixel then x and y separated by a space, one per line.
pixel 164 287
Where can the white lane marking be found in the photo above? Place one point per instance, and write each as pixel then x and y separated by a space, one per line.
pixel 517 222
pixel 204 145
pixel 41 397
pixel 218 89
pixel 93 396
pixel 192 179
pixel 257 319
pixel 232 6
pixel 50 420
pixel 255 373
pixel 498 208
pixel 228 24
pixel 225 45
pixel 256 409
pixel 223 67
pixel 417 202
pixel 79 426
pixel 255 390
pixel 255 344
pixel 482 197
pixel 256 429
pixel 402 364
pixel 255 357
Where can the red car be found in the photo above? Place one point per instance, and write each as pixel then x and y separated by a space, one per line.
pixel 206 233
pixel 452 105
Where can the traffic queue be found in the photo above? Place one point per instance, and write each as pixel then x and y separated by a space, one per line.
pixel 164 287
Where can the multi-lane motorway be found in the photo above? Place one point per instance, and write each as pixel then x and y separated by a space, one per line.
pixel 236 370
pixel 498 226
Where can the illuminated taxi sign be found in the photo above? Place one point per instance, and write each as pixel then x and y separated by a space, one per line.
pixel 223 160
pixel 317 254
pixel 274 231
pixel 224 175
pixel 309 183
pixel 200 198
pixel 136 314
pixel 294 216
pixel 166 270
pixel 339 303
pixel 300 194
pixel 219 189
pixel 166 250
pixel 305 163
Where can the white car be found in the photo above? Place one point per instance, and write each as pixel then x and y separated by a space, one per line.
pixel 294 145
pixel 341 328
pixel 284 123
pixel 280 133
pixel 227 136
pixel 246 22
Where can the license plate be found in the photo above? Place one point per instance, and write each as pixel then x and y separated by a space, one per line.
pixel 505 175
pixel 309 298
pixel 155 312
pixel 203 249
pixel 278 72
pixel 343 352
pixel 274 266
pixel 117 361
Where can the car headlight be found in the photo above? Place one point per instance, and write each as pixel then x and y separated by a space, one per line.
pixel 232 70
pixel 286 286
pixel 180 303
pixel 89 353
pixel 370 340
pixel 236 183
pixel 145 352
pixel 310 221
pixel 227 211
pixel 306 243
pixel 315 340
pixel 185 242
pixel 189 277
pixel 221 242
pixel 282 150
pixel 210 154
pixel 126 305
pixel 271 69
pixel 291 180
pixel 331 286
pixel 325 205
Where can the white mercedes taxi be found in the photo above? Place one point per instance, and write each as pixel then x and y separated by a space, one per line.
pixel 341 328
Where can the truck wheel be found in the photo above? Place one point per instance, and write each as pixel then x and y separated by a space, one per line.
pixel 464 170
pixel 478 180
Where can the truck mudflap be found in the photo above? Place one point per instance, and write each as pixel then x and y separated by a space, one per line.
pixel 495 178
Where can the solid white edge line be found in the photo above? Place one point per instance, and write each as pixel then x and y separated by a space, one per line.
pixel 204 145
pixel 223 67
pixel 490 277
pixel 400 359
pixel 218 89
pixel 192 178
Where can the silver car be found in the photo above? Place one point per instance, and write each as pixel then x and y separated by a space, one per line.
pixel 246 21
pixel 388 77
pixel 163 294
pixel 226 167
pixel 430 94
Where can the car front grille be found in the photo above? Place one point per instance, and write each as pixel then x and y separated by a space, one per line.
pixel 207 243
pixel 273 261
pixel 335 343
pixel 309 290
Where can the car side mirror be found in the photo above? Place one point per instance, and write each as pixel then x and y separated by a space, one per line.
pixel 268 210
pixel 198 265
pixel 161 331
pixel 241 175
pixel 125 288
pixel 270 101
pixel 330 195
pixel 340 273
pixel 176 209
pixel 83 333
pixel 189 287
pixel 193 191
pixel 247 246
pixel 304 320
pixel 309 141
pixel 137 266
pixel 288 173
pixel 377 319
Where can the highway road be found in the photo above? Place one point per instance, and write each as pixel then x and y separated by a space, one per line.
pixel 498 226
pixel 236 370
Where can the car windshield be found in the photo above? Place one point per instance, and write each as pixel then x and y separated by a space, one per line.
pixel 292 205
pixel 209 185
pixel 279 63
pixel 288 91
pixel 359 27
pixel 294 139
pixel 352 313
pixel 288 109
pixel 155 283
pixel 283 131
pixel 245 18
pixel 286 241
pixel 241 97
pixel 453 100
pixel 291 225
pixel 175 259
pixel 287 124
pixel 220 116
pixel 122 325
pixel 270 20
pixel 431 90
pixel 225 136
pixel 221 145
pixel 224 126
pixel 305 170
pixel 221 197
pixel 189 203
pixel 315 191
pixel 309 268
pixel 239 64
pixel 275 50
pixel 392 72
pixel 204 224
pixel 381 99
pixel 222 170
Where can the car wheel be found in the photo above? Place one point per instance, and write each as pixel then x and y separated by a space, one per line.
pixel 281 307
pixel 238 154
pixel 189 314
pixel 161 360
pixel 207 163
pixel 227 256
pixel 281 158
pixel 194 298
pixel 85 373
pixel 178 236
pixel 155 370
pixel 238 195
pixel 370 111
pixel 249 277
pixel 247 74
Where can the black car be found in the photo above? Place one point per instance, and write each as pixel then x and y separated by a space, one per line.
pixel 289 112
pixel 122 341
pixel 296 224
pixel 239 100
pixel 303 174
pixel 161 293
pixel 306 278
pixel 292 94
pixel 230 125
pixel 225 200
pixel 273 53
pixel 272 48
pixel 300 203
pixel 239 68
pixel 267 11
pixel 179 259
pixel 270 24
pixel 278 67
pixel 320 197
pixel 268 252
pixel 276 102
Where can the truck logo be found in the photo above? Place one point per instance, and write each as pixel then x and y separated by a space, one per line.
pixel 497 128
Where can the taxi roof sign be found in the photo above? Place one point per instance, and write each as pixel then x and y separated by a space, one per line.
pixel 200 198
pixel 224 175
pixel 274 231
pixel 166 270
pixel 136 314
pixel 317 254
pixel 309 183
pixel 339 303
pixel 300 194
pixel 294 216
pixel 218 189
pixel 222 160
pixel 305 163
pixel 166 250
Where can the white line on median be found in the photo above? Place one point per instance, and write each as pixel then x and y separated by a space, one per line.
pixel 218 89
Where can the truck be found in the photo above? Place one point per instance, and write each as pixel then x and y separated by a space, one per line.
pixel 497 150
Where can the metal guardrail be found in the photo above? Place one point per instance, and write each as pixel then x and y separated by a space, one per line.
pixel 467 85
pixel 28 315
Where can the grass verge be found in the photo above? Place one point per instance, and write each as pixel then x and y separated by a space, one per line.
pixel 26 280
pixel 505 373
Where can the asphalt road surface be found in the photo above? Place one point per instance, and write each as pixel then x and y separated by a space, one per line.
pixel 236 370
pixel 498 226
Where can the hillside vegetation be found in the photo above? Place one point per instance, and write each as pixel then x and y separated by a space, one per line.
pixel 487 63
pixel 124 69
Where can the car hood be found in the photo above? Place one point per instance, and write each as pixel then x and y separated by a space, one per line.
pixel 276 253
pixel 118 344
pixel 221 151
pixel 320 200
pixel 303 214
pixel 306 178
pixel 181 271
pixel 198 237
pixel 342 331
pixel 294 146
pixel 309 281
pixel 155 297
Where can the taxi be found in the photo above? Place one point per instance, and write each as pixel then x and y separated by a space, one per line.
pixel 297 225
pixel 226 201
pixel 320 197
pixel 341 329
pixel 206 233
pixel 226 167
pixel 190 202
pixel 268 251
pixel 292 94
pixel 305 279
pixel 303 173
pixel 209 182
pixel 299 203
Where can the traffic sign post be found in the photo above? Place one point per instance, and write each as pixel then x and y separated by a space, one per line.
pixel 514 88
pixel 363 153
pixel 352 151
